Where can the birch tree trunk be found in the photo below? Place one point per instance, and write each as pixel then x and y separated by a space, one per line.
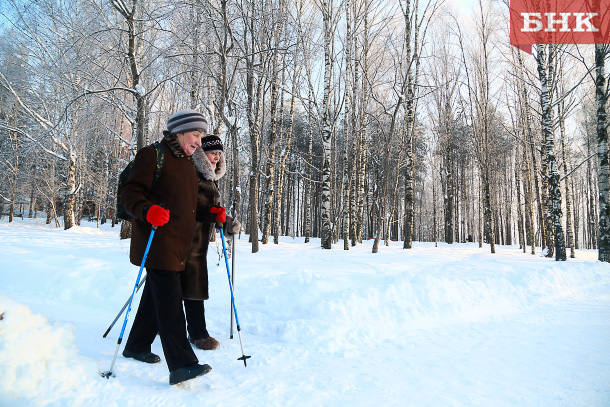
pixel 326 235
pixel 223 83
pixel 485 135
pixel 13 166
pixel 445 80
pixel 480 114
pixel 526 173
pixel 576 199
pixel 69 199
pixel 195 16
pixel 529 207
pixel 569 226
pixel 545 74
pixel 532 152
pixel 384 173
pixel 601 97
pixel 409 176
pixel 286 150
pixel 133 59
pixel 269 191
pixel 361 166
pixel 309 170
pixel 405 87
pixel 254 84
pixel 347 122
pixel 412 28
pixel 591 238
pixel 237 199
pixel 434 216
pixel 355 97
pixel 520 225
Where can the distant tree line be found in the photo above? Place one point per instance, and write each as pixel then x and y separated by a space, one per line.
pixel 346 120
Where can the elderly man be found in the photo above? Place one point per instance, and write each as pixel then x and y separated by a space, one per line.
pixel 169 203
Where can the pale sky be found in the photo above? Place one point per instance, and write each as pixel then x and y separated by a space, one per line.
pixel 466 4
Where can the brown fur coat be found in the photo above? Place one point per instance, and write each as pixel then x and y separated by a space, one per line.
pixel 195 274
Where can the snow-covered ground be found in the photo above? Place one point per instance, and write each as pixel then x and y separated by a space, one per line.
pixel 451 325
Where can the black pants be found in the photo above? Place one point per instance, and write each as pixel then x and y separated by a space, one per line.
pixel 161 311
pixel 195 319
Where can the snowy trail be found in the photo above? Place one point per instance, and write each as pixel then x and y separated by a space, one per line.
pixel 433 326
pixel 544 357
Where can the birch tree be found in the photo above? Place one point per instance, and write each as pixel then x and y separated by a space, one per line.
pixel 223 71
pixel 278 17
pixel 413 28
pixel 360 120
pixel 479 101
pixel 348 103
pixel 444 78
pixel 327 9
pixel 601 97
pixel 523 144
pixel 297 71
pixel 131 11
pixel 561 112
pixel 546 72
pixel 255 57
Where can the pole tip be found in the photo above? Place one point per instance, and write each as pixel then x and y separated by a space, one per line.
pixel 244 357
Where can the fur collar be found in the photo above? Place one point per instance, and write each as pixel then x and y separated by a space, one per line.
pixel 204 166
pixel 174 146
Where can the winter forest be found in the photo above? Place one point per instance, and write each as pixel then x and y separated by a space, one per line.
pixel 345 120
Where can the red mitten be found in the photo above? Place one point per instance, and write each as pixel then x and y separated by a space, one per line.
pixel 220 212
pixel 157 215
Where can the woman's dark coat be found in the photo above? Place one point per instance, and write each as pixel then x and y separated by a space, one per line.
pixel 195 274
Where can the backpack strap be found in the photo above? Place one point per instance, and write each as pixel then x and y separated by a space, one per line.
pixel 160 153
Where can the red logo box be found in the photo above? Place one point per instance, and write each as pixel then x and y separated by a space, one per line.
pixel 559 22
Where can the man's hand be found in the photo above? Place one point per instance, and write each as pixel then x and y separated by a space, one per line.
pixel 157 215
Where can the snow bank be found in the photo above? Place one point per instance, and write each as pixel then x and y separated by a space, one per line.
pixel 38 359
pixel 451 325
pixel 342 307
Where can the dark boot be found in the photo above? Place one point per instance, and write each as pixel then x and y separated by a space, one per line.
pixel 146 357
pixel 187 373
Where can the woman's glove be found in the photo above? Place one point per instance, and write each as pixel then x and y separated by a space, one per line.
pixel 220 212
pixel 157 215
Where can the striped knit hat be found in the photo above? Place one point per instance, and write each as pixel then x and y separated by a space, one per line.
pixel 187 120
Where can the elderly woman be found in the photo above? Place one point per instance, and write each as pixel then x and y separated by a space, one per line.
pixel 211 166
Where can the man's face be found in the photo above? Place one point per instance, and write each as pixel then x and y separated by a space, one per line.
pixel 189 141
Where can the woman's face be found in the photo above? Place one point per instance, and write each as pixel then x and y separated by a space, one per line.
pixel 189 141
pixel 214 158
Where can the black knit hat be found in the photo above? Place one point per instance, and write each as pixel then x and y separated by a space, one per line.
pixel 211 143
pixel 187 120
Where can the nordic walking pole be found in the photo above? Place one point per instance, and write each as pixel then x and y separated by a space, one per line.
pixel 123 309
pixel 224 249
pixel 108 374
pixel 232 267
